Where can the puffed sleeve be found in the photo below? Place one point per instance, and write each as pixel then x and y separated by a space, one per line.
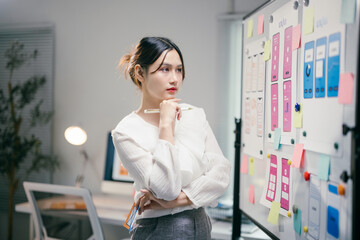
pixel 206 189
pixel 157 171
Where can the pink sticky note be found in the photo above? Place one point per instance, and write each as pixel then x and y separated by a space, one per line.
pixel 298 155
pixel 244 164
pixel 346 87
pixel 251 194
pixel 296 37
pixel 261 24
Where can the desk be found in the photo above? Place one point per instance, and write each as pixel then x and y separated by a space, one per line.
pixel 112 209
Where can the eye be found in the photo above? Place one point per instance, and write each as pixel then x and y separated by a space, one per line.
pixel 164 69
pixel 179 70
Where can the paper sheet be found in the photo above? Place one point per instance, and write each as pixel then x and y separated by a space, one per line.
pixel 244 164
pixel 298 155
pixel 324 167
pixel 309 20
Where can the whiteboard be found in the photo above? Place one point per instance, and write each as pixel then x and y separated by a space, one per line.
pixel 312 75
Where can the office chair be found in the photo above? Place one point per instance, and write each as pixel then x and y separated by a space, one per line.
pixel 74 201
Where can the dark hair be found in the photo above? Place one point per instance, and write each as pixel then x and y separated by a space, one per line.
pixel 147 51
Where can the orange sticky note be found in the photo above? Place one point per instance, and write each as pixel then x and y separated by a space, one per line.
pixel 261 24
pixel 296 37
pixel 298 155
pixel 252 194
pixel 346 87
pixel 244 164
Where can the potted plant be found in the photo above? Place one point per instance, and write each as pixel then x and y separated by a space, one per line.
pixel 16 144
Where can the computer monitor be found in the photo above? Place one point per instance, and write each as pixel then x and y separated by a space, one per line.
pixel 116 179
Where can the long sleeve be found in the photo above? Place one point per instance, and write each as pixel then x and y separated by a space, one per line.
pixel 157 171
pixel 212 184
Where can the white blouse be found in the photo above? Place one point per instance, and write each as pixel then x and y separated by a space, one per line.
pixel 194 164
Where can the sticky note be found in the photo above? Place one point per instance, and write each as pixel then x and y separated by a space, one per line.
pixel 297 222
pixel 274 213
pixel 277 138
pixel 251 167
pixel 298 155
pixel 348 10
pixel 251 194
pixel 298 117
pixel 244 164
pixel 296 37
pixel 250 28
pixel 309 21
pixel 261 24
pixel 267 53
pixel 346 88
pixel 324 167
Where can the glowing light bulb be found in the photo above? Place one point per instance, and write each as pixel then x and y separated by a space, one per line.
pixel 75 135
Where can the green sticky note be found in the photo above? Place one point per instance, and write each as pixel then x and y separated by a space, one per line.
pixel 274 213
pixel 251 166
pixel 250 28
pixel 298 117
pixel 267 48
pixel 348 10
pixel 297 222
pixel 277 138
pixel 309 21
pixel 324 167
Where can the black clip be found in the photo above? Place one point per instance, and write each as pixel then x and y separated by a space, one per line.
pixel 344 176
pixel 346 129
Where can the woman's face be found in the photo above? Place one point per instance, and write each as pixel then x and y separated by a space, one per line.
pixel 164 82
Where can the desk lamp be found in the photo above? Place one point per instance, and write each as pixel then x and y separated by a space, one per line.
pixel 77 136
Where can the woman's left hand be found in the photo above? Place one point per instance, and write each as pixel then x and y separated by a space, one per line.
pixel 149 201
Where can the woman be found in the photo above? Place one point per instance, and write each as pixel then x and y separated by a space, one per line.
pixel 172 155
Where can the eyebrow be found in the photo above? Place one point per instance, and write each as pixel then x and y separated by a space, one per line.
pixel 168 64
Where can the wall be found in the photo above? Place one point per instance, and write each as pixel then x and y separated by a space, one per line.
pixel 91 36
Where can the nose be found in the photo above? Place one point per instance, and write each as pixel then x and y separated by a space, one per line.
pixel 175 78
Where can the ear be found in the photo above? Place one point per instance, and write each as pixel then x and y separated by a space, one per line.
pixel 139 73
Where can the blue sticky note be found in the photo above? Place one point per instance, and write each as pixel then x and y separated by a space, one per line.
pixel 277 138
pixel 348 8
pixel 324 167
pixel 333 221
pixel 297 222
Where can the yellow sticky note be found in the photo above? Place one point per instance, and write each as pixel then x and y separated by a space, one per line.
pixel 274 213
pixel 298 117
pixel 250 28
pixel 309 21
pixel 251 167
pixel 267 47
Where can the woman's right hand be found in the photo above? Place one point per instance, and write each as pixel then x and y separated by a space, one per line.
pixel 169 112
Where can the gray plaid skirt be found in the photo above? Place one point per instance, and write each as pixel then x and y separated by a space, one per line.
pixel 190 224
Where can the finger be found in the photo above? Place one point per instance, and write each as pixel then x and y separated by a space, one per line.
pixel 142 202
pixel 173 100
